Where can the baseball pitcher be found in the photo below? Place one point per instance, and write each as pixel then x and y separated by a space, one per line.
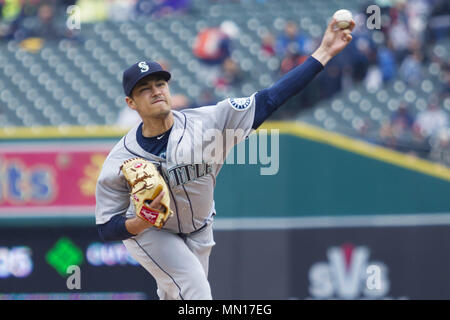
pixel 156 188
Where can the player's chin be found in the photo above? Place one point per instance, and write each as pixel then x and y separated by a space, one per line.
pixel 163 111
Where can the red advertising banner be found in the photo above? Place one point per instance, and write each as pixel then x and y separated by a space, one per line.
pixel 50 179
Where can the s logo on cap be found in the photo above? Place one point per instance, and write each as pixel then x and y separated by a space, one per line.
pixel 144 66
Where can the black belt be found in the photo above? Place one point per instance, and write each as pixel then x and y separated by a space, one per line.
pixel 184 235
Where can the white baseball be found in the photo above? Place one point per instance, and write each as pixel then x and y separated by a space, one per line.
pixel 343 18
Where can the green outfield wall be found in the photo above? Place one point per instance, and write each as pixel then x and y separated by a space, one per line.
pixel 316 178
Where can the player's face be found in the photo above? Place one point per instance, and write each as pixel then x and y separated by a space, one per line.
pixel 151 98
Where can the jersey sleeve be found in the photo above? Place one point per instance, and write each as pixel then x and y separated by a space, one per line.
pixel 112 194
pixel 235 114
pixel 218 128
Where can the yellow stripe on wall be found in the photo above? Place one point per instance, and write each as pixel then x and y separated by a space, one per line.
pixel 298 129
pixel 369 150
pixel 13 133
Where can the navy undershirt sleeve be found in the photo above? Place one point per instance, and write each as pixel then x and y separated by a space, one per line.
pixel 268 100
pixel 114 229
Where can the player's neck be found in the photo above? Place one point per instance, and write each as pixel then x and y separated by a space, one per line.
pixel 155 126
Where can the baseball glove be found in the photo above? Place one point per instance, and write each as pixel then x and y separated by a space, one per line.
pixel 146 183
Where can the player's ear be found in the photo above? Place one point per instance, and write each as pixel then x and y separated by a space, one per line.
pixel 130 102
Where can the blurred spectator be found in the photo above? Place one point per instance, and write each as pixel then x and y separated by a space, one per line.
pixel 386 61
pixel 120 10
pixel 213 45
pixel 431 121
pixel 440 147
pixel 291 39
pixel 35 27
pixel 166 7
pixel 45 26
pixel 268 45
pixel 161 8
pixel 10 9
pixel 402 119
pixel 398 33
pixel 387 136
pixel 445 83
pixel 291 59
pixel 418 12
pixel 439 22
pixel 144 7
pixel 374 78
pixel 229 76
pixel 397 133
pixel 9 14
pixel 360 53
pixel 411 68
pixel 365 130
pixel 12 28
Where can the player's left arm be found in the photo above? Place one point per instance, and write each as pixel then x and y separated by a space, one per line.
pixel 268 100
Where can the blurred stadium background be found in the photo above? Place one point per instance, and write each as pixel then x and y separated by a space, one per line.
pixel 364 162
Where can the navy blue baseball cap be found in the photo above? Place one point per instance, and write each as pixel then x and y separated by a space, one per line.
pixel 140 70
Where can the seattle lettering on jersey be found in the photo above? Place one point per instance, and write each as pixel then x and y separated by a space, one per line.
pixel 185 173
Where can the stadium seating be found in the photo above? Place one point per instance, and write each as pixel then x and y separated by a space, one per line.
pixel 347 111
pixel 79 82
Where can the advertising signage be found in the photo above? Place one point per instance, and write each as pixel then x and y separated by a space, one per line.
pixel 68 263
pixel 49 178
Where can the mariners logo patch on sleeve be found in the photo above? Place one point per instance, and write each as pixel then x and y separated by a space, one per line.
pixel 240 103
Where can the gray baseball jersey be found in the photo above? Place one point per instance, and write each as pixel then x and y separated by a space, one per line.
pixel 198 144
pixel 197 147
